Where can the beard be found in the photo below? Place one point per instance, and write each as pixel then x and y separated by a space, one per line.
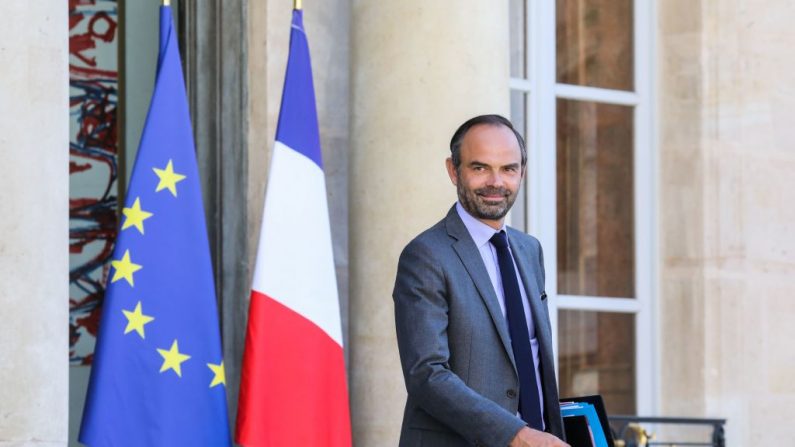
pixel 473 201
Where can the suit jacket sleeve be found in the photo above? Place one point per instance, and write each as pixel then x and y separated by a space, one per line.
pixel 421 305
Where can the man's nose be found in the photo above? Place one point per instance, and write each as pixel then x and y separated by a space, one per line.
pixel 495 179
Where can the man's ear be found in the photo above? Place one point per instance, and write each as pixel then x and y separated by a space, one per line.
pixel 451 171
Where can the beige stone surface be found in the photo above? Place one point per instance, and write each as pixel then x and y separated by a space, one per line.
pixel 773 415
pixel 778 362
pixel 420 69
pixel 261 118
pixel 33 224
pixel 726 215
pixel 681 234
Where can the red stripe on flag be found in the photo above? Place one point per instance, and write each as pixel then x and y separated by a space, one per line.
pixel 293 389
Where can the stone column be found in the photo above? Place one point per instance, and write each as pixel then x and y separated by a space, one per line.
pixel 726 216
pixel 34 196
pixel 681 220
pixel 419 70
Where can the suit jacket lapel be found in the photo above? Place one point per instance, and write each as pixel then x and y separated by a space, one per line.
pixel 470 257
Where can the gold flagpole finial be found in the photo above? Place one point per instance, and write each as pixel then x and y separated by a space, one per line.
pixel 296 4
pixel 166 2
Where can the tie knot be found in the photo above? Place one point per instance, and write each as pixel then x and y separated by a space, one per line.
pixel 499 240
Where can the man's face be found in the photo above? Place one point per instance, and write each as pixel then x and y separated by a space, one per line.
pixel 490 172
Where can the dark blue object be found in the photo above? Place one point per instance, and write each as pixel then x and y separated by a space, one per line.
pixel 529 401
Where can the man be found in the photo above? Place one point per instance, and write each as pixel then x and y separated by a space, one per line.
pixel 470 309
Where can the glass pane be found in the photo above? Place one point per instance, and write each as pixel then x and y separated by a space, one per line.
pixel 596 237
pixel 519 120
pixel 518 111
pixel 594 43
pixel 518 32
pixel 596 355
pixel 94 161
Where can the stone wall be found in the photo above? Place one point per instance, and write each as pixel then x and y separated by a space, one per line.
pixel 727 191
pixel 34 264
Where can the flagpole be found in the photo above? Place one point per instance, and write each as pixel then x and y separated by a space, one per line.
pixel 296 4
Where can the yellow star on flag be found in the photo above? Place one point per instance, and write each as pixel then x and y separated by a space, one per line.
pixel 220 375
pixel 124 268
pixel 168 178
pixel 172 359
pixel 135 216
pixel 136 320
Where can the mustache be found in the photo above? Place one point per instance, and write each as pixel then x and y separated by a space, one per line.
pixel 492 190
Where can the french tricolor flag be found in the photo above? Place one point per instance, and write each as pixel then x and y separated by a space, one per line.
pixel 293 389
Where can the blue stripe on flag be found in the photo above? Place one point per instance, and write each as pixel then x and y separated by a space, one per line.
pixel 298 127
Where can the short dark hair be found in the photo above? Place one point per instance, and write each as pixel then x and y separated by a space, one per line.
pixel 489 120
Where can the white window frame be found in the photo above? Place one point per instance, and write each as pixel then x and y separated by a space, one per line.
pixel 540 193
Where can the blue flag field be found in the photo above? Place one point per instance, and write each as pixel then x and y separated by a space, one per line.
pixel 158 372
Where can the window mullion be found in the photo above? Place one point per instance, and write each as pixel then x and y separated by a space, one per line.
pixel 645 207
pixel 520 85
pixel 596 94
pixel 542 176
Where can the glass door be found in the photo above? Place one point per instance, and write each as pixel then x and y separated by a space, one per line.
pixel 580 91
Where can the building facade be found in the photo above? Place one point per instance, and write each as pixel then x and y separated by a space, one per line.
pixel 659 183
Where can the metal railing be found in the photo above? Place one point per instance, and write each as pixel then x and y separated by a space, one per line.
pixel 629 431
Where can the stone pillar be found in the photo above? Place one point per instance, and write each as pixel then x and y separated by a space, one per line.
pixel 420 69
pixel 727 190
pixel 34 195
pixel 681 219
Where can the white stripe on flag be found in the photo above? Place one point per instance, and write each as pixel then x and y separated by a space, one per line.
pixel 295 262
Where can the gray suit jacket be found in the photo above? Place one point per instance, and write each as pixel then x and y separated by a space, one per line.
pixel 454 344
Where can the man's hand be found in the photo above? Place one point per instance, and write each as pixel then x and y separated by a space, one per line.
pixel 527 437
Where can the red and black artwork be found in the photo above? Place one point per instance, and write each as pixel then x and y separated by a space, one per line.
pixel 93 165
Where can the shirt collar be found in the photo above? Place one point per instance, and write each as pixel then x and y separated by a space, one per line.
pixel 480 232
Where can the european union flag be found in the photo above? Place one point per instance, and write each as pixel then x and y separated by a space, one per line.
pixel 158 374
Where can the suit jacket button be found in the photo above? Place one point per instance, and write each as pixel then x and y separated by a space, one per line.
pixel 511 393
